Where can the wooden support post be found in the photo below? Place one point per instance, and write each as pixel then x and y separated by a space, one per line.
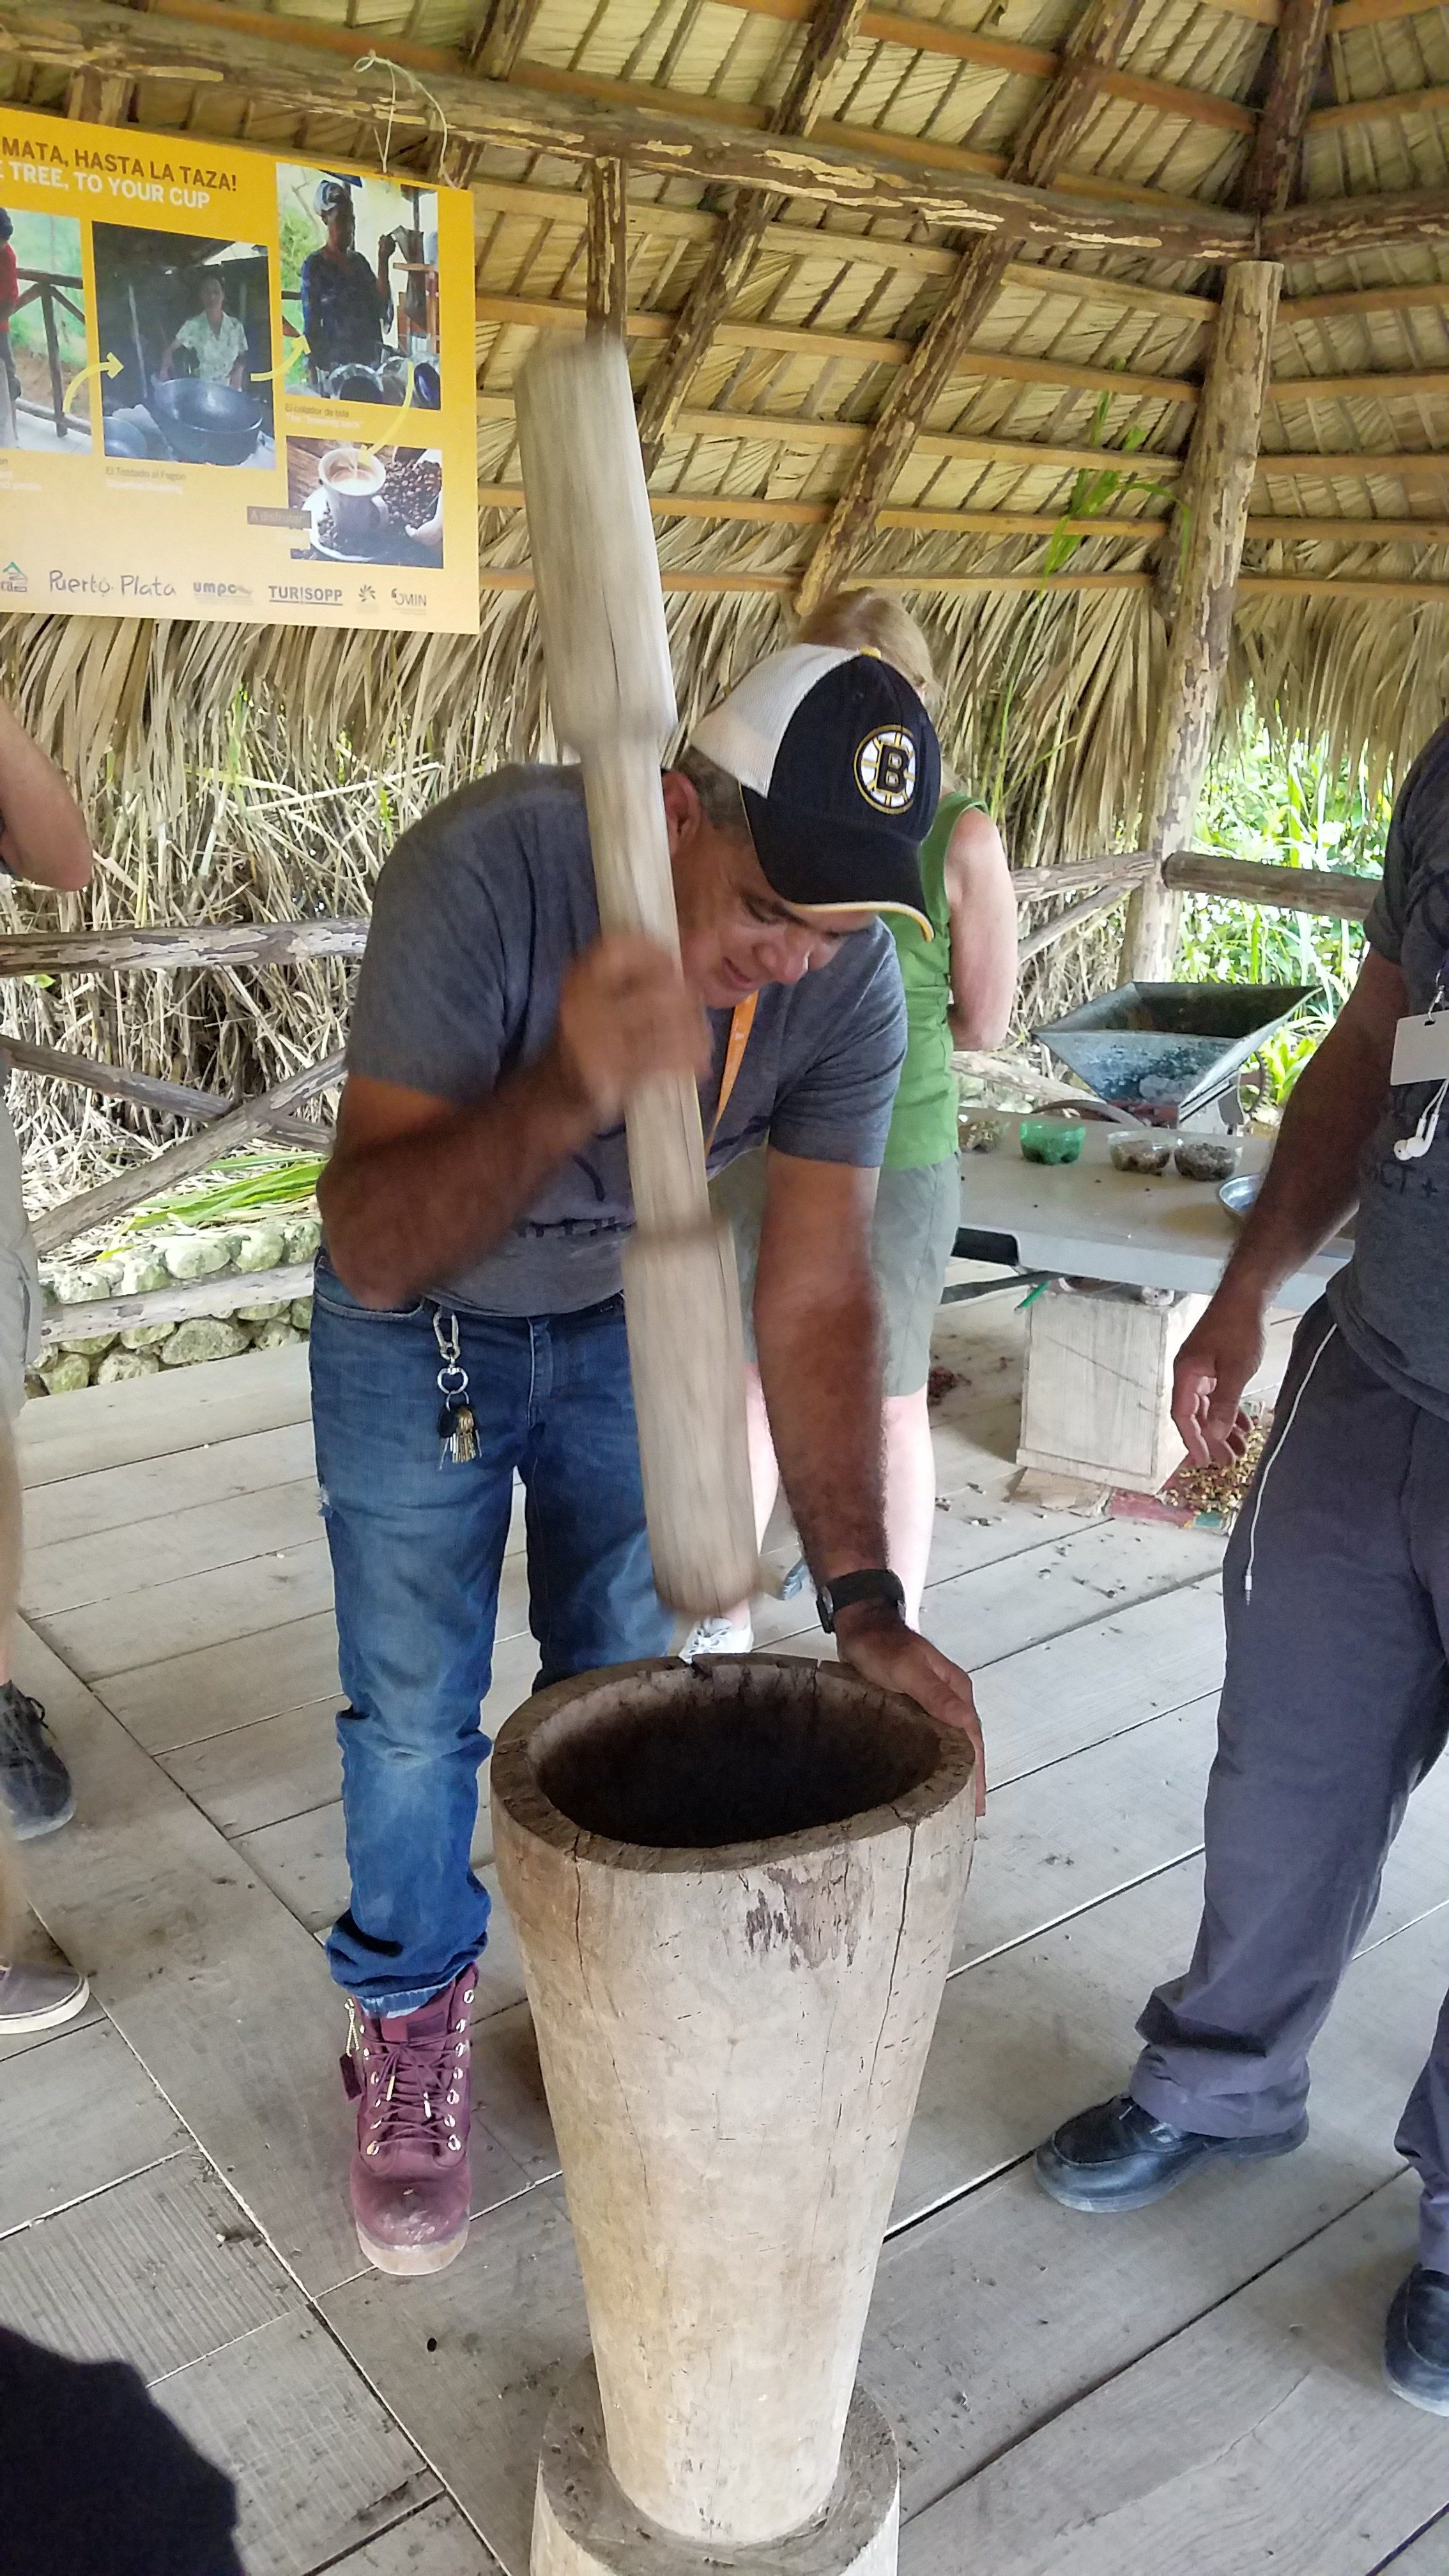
pixel 1095 42
pixel 115 1197
pixel 608 250
pixel 827 39
pixel 1213 511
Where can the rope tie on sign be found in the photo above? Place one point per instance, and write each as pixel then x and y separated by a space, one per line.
pixel 396 71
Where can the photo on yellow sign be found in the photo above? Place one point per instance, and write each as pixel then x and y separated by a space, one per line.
pixel 232 386
pixel 44 349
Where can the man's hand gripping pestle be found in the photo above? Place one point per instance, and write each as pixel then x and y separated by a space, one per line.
pixel 606 655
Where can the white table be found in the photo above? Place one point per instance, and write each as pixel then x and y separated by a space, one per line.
pixel 1084 1220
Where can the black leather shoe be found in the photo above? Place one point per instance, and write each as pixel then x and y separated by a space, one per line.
pixel 1116 2156
pixel 1416 2341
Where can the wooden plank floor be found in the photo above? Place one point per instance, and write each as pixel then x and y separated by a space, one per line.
pixel 1194 2390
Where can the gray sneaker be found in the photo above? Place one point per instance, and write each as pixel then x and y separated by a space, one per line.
pixel 39 1998
pixel 35 1789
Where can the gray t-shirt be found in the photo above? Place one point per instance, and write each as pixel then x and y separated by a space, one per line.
pixel 479 912
pixel 1392 1302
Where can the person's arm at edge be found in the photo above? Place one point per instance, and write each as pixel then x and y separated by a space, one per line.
pixel 43 836
pixel 816 1333
pixel 1309 1188
pixel 418 1189
pixel 982 905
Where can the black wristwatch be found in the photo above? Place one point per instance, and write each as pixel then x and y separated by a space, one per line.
pixel 873 1583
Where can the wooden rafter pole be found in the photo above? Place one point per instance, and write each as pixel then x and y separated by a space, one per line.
pixel 1217 491
pixel 827 38
pixel 608 251
pixel 502 33
pixel 1270 176
pixel 1096 41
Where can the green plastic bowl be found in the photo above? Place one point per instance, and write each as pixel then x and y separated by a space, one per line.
pixel 1051 1140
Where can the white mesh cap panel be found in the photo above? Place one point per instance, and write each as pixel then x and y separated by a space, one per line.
pixel 743 733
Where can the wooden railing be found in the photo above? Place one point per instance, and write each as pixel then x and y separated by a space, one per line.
pixel 222 1125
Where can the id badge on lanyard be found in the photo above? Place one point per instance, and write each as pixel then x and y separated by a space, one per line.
pixel 1421 1054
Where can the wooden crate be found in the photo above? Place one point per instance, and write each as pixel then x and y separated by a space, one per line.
pixel 1098 1385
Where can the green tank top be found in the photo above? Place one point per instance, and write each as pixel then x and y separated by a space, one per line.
pixel 923 1129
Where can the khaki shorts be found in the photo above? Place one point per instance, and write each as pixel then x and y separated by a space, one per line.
pixel 916 1217
pixel 20 1303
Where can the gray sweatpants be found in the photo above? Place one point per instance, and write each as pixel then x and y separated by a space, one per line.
pixel 1335 1705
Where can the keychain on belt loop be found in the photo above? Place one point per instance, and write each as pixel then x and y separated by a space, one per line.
pixel 457 1422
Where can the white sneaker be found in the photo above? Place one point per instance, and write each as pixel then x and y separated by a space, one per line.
pixel 40 1998
pixel 718 1637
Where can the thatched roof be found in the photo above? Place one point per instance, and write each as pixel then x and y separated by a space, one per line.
pixel 1080 349
pixel 1131 149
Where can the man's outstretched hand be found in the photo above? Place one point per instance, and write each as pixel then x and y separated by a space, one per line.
pixel 882 1649
pixel 1214 1366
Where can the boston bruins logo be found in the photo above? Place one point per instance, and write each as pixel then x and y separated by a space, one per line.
pixel 885 769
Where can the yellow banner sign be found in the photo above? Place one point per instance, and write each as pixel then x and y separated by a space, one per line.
pixel 231 386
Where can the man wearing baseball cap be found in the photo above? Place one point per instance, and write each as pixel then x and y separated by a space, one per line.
pixel 468 1323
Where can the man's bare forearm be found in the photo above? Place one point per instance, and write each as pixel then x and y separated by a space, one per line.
pixel 820 1369
pixel 43 835
pixel 408 1212
pixel 1311 1184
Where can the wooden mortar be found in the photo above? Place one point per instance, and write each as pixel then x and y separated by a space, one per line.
pixel 734 1887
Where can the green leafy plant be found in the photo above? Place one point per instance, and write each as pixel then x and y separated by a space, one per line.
pixel 1093 491
pixel 1285 805
pixel 243 1185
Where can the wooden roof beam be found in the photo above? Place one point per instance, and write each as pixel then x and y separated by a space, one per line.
pixel 723 510
pixel 1095 42
pixel 861 348
pixel 524 313
pixel 878 250
pixel 965 585
pixel 674 141
pixel 827 40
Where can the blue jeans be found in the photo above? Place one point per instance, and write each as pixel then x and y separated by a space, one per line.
pixel 417 1551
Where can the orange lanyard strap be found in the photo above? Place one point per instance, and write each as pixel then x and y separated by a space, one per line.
pixel 742 1020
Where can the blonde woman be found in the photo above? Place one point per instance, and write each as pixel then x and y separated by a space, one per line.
pixel 958 988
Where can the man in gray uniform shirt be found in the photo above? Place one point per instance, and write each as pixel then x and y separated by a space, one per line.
pixel 1336 1700
pixel 468 1322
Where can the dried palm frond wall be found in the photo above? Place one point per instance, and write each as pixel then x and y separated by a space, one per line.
pixel 241 773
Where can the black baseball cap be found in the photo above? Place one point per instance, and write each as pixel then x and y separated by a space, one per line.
pixel 840 771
